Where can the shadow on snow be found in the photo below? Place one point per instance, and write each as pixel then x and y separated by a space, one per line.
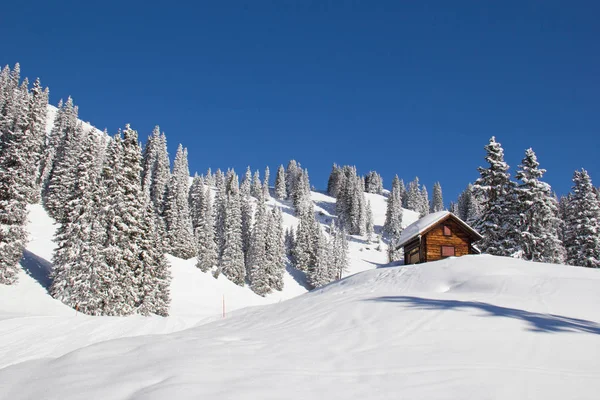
pixel 537 322
pixel 38 268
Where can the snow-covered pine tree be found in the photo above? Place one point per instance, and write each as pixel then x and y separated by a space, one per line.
pixel 414 196
pixel 13 179
pixel 154 279
pixel 289 243
pixel 303 253
pixel 256 187
pixel 339 252
pixel 394 212
pixel 499 216
pixel 246 183
pixel 156 172
pixel 582 231
pixel 319 275
pixel 335 181
pixel 437 202
pixel 301 194
pixel 275 252
pixel 257 257
pixel 208 257
pixel 469 206
pixel 60 179
pixel 424 203
pixel 123 209
pixel 247 215
pixel 370 226
pixel 196 202
pixel 181 241
pixel 220 208
pixel 265 185
pixel 209 178
pixel 231 261
pixel 35 137
pixel 373 183
pixel 291 177
pixel 453 208
pixel 538 209
pixel 80 277
pixel 280 186
pixel 219 178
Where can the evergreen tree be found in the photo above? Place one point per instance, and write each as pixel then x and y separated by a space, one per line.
pixel 13 179
pixel 155 277
pixel 469 205
pixel 209 179
pixel 176 213
pixel 123 210
pixel 256 188
pixel 437 203
pixel 60 179
pixel 373 183
pixel 280 185
pixel 35 137
pixel 196 202
pixel 335 181
pixel 393 216
pixel 339 252
pixel 319 275
pixel 80 277
pixel 369 222
pixel 246 183
pixel 582 233
pixel 291 177
pixel 539 223
pixel 424 203
pixel 247 215
pixel 208 256
pixel 414 196
pixel 301 194
pixel 265 186
pixel 275 249
pixel 231 261
pixel 258 274
pixel 156 173
pixel 289 243
pixel 499 217
pixel 303 253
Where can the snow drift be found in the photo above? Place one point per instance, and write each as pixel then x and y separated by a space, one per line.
pixel 472 328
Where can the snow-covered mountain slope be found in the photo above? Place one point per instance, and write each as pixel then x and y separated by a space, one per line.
pixel 36 325
pixel 475 327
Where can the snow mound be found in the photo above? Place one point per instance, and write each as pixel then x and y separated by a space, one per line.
pixel 472 327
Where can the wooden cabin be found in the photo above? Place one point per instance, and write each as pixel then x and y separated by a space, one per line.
pixel 436 236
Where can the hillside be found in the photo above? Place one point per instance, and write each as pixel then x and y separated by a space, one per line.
pixel 476 327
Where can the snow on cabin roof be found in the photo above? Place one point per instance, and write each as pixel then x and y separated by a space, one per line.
pixel 422 225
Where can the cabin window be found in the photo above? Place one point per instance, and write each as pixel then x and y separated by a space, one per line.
pixel 447 231
pixel 448 251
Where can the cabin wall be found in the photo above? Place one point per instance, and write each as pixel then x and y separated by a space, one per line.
pixel 435 239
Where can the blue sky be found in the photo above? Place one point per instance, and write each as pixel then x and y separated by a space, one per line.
pixel 408 88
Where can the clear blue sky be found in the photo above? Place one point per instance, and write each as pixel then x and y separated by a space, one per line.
pixel 413 88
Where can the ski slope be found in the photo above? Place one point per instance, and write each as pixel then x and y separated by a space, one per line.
pixel 476 327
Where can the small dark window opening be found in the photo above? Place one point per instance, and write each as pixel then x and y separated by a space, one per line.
pixel 448 251
pixel 447 231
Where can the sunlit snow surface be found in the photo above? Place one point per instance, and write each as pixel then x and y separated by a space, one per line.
pixel 476 327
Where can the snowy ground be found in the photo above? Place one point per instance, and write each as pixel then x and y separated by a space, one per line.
pixel 477 327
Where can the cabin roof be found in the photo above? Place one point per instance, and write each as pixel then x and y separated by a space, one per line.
pixel 428 222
